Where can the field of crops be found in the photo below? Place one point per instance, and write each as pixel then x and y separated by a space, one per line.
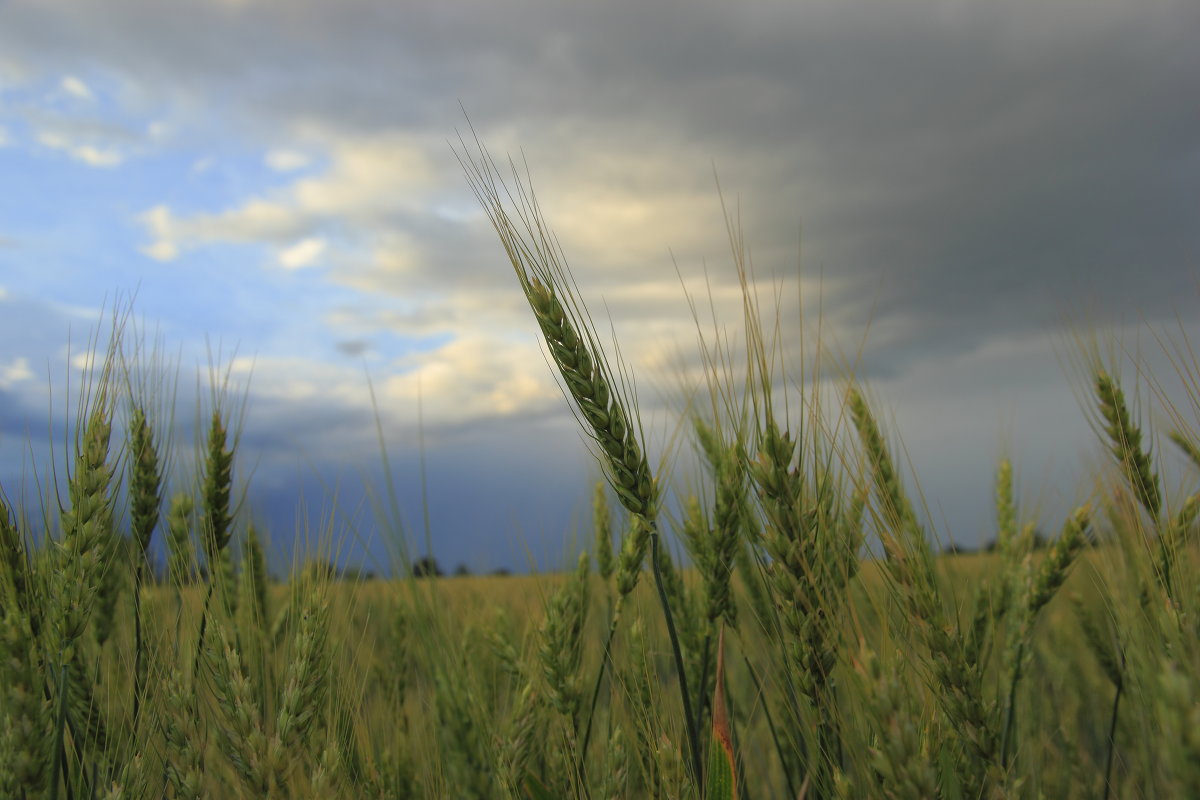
pixel 816 645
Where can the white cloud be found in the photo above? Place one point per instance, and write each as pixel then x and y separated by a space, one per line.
pixel 55 141
pixel 161 251
pixel 242 365
pixel 159 222
pixel 297 378
pixel 95 156
pixel 88 154
pixel 15 372
pixel 369 181
pixel 393 257
pixel 158 130
pixel 632 224
pixel 471 377
pixel 287 160
pixel 369 178
pixel 468 378
pixel 256 221
pixel 305 253
pixel 75 87
pixel 5 140
pixel 3 293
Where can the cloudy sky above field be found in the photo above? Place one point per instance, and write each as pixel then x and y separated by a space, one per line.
pixel 960 181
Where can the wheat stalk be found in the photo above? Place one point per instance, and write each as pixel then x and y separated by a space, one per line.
pixel 215 519
pixel 561 648
pixel 306 681
pixel 902 768
pixel 516 746
pixel 909 564
pixel 183 738
pixel 1043 584
pixel 77 580
pixel 87 527
pixel 145 486
pixel 240 735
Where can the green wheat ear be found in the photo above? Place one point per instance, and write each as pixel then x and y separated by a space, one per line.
pixel 145 484
pixel 181 558
pixel 1125 444
pixel 581 365
pixel 600 400
pixel 215 493
pixel 1187 445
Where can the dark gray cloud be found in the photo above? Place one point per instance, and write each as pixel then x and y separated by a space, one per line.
pixel 353 348
pixel 971 166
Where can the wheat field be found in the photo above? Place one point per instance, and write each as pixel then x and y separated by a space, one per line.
pixel 791 631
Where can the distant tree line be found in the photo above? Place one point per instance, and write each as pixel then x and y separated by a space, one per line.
pixel 1040 542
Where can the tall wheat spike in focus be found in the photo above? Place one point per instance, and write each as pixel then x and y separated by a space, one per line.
pixel 602 403
pixel 538 262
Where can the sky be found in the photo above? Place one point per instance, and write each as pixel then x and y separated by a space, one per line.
pixel 955 188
